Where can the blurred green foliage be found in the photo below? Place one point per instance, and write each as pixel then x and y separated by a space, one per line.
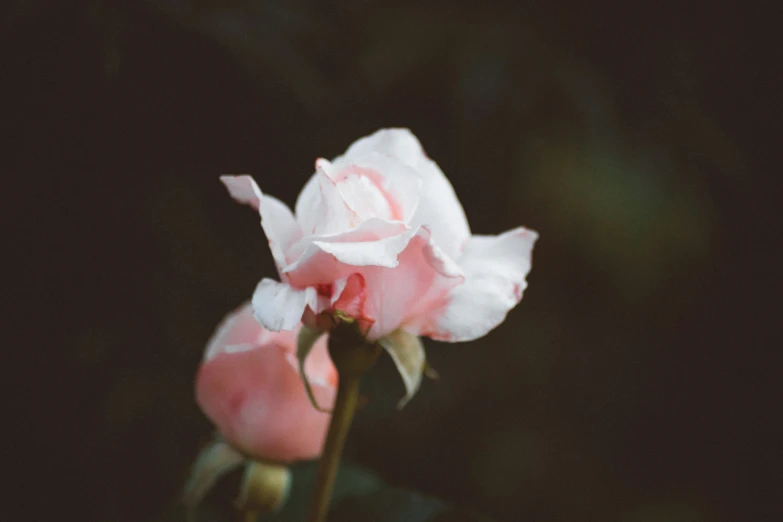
pixel 358 496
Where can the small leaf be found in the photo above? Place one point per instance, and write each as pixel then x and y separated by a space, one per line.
pixel 304 343
pixel 216 460
pixel 407 352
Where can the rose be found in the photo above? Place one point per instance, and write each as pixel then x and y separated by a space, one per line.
pixel 249 386
pixel 380 236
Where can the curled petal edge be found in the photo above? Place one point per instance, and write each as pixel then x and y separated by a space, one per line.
pixel 279 306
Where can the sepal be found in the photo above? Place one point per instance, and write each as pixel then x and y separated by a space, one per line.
pixel 304 343
pixel 407 352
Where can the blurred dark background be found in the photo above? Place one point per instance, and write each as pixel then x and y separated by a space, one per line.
pixel 635 380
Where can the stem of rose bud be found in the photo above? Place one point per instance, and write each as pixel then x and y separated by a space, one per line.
pixel 352 355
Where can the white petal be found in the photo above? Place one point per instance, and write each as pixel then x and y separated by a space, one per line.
pixel 324 211
pixel 438 206
pixel 398 143
pixel 495 269
pixel 382 252
pixel 278 222
pixel 280 227
pixel 378 185
pixel 243 188
pixel 307 205
pixel 279 306
pixel 440 260
pixel 440 210
pixel 407 352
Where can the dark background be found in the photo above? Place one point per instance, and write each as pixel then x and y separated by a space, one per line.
pixel 635 380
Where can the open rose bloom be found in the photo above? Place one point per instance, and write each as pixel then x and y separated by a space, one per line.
pixel 379 236
pixel 250 387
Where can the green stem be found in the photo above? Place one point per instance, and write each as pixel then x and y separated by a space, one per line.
pixel 352 355
pixel 342 416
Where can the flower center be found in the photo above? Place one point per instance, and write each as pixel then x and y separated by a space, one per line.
pixel 363 191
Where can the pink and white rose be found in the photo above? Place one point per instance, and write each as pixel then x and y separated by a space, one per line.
pixel 250 387
pixel 378 234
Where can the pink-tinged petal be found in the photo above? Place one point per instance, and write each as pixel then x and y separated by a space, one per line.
pixel 307 203
pixel 438 207
pixel 278 222
pixel 495 269
pixel 240 331
pixel 328 258
pixel 334 215
pixel 349 296
pixel 257 400
pixel 396 142
pixel 320 208
pixel 378 185
pixel 281 229
pixel 243 188
pixel 440 210
pixel 279 306
pixel 404 295
pixel 380 252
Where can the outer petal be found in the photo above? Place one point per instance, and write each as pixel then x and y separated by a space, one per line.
pixel 438 208
pixel 279 306
pixel 396 142
pixel 278 222
pixel 257 400
pixel 307 205
pixel 402 296
pixel 495 269
pixel 244 189
pixel 240 331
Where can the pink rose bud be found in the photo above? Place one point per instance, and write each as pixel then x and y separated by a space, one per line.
pixel 250 387
pixel 379 236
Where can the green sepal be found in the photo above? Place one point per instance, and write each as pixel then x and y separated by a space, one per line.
pixel 407 352
pixel 214 461
pixel 304 343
